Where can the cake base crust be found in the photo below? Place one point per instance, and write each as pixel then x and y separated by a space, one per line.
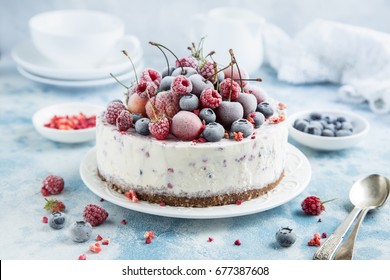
pixel 199 202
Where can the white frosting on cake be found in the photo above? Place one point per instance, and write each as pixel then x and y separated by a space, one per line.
pixel 187 169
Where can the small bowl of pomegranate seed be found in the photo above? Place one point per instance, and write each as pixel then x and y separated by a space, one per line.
pixel 67 122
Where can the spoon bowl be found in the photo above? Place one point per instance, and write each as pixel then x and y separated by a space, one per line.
pixel 370 192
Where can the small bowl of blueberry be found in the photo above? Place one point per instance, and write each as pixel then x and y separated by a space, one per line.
pixel 327 130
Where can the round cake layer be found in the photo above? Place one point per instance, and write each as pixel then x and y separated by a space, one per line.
pixel 177 171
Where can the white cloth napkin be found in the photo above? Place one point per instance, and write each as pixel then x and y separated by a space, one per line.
pixel 324 51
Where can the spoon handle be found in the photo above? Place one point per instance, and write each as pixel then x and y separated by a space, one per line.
pixel 328 248
pixel 347 249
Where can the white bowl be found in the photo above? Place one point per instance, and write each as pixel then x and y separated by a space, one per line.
pixel 75 38
pixel 43 116
pixel 360 126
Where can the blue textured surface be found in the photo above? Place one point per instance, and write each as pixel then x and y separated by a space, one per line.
pixel 26 158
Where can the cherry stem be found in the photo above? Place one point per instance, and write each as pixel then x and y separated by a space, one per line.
pixel 231 76
pixel 166 58
pixel 151 105
pixel 238 68
pixel 177 59
pixel 132 64
pixel 231 63
pixel 253 80
pixel 119 82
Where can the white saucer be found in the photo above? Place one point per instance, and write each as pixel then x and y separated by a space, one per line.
pixel 126 78
pixel 27 56
pixel 296 179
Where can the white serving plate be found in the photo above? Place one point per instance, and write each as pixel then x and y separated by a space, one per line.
pixel 360 125
pixel 44 115
pixel 126 78
pixel 27 57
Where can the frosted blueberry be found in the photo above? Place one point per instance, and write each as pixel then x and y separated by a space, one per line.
pixel 166 83
pixel 207 115
pixel 327 132
pixel 142 126
pixel 266 109
pixel 315 116
pixel 213 132
pixel 328 119
pixel 189 102
pixel 57 220
pixel 80 231
pixel 259 119
pixel 242 125
pixel 313 129
pixel 347 125
pixel 301 124
pixel 285 237
pixel 343 132
pixel 136 117
pixel 341 119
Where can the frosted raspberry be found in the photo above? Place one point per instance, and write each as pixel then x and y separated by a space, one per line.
pixel 113 111
pixel 207 70
pixel 210 98
pixel 181 85
pixel 145 88
pixel 94 214
pixel 124 121
pixel 166 104
pixel 229 88
pixel 160 128
pixel 52 185
pixel 312 205
pixel 151 75
pixel 189 61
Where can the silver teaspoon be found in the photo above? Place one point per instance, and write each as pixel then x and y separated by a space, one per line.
pixel 369 196
pixel 327 250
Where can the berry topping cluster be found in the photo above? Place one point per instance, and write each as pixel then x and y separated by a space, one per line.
pixel 324 125
pixel 193 99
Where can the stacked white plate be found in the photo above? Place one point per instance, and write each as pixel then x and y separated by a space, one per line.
pixel 34 66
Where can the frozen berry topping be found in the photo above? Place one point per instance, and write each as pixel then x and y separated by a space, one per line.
pixel 94 214
pixel 52 185
pixel 181 100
